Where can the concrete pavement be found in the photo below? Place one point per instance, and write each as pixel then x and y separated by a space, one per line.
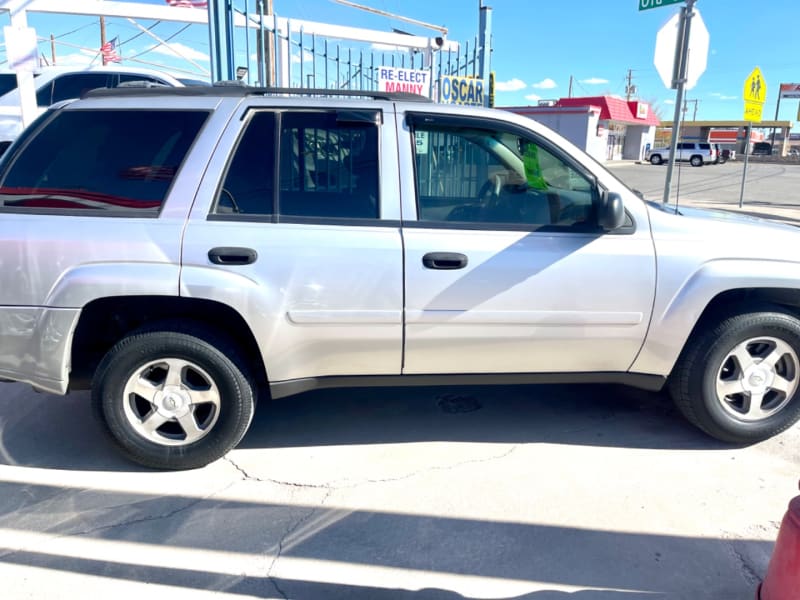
pixel 543 492
pixel 772 190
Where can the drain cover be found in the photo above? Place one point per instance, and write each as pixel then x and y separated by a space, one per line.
pixel 457 403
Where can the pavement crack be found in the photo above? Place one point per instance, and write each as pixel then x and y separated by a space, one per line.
pixel 294 484
pixel 429 469
pixel 748 571
pixel 123 523
pixel 343 484
pixel 285 537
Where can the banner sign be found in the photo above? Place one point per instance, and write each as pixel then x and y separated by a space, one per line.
pixel 413 81
pixel 462 90
pixel 790 90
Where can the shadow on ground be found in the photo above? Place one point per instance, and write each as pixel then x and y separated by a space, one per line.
pixel 41 430
pixel 172 540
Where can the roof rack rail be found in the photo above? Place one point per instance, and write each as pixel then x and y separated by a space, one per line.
pixel 375 95
pixel 238 90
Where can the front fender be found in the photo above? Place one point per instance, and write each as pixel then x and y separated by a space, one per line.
pixel 677 311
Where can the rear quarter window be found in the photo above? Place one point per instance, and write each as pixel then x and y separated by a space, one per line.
pixel 109 160
pixel 8 82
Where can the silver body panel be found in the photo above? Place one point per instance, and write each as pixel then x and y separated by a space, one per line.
pixel 702 254
pixel 35 346
pixel 352 299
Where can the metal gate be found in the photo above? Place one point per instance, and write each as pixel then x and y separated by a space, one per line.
pixel 324 56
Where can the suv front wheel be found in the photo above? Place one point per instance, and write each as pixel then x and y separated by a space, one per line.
pixel 173 398
pixel 655 159
pixel 738 381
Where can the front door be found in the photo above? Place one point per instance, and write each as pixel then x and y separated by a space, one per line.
pixel 507 270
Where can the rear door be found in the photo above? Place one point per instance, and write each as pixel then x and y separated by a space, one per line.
pixel 296 226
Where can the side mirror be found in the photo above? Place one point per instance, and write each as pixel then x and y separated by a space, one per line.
pixel 612 213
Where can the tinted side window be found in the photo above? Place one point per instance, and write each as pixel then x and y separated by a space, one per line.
pixel 328 168
pixel 111 160
pixel 705 146
pixel 483 176
pixel 73 86
pixel 248 185
pixel 8 82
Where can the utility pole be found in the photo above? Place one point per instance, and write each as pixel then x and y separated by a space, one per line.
pixel 569 94
pixel 265 45
pixel 53 48
pixel 685 108
pixel 630 89
pixel 777 111
pixel 102 38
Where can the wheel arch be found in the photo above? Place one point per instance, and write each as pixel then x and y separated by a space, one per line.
pixel 104 321
pixel 740 300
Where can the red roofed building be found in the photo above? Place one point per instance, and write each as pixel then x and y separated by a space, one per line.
pixel 607 127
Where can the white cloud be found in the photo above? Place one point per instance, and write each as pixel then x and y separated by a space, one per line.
pixel 545 84
pixel 533 97
pixel 180 49
pixel 307 57
pixel 512 85
pixel 719 96
pixel 594 81
pixel 78 59
pixel 669 101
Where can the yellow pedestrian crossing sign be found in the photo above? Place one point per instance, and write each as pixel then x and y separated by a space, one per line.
pixel 755 94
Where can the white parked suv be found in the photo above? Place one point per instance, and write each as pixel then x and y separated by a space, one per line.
pixel 54 84
pixel 184 252
pixel 696 153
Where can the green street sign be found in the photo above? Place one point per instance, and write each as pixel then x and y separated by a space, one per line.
pixel 648 4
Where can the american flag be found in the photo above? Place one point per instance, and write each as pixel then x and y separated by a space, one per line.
pixel 109 51
pixel 188 3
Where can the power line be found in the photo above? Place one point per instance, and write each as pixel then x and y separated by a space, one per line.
pixel 140 33
pixel 166 39
pixel 90 24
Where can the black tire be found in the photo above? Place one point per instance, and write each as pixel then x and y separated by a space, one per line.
pixel 655 159
pixel 708 361
pixel 696 161
pixel 214 395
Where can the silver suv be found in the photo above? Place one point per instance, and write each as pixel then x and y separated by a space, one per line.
pixel 696 153
pixel 184 252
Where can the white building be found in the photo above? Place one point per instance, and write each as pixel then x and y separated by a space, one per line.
pixel 606 127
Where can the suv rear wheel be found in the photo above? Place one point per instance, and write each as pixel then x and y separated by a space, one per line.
pixel 696 161
pixel 738 381
pixel 172 398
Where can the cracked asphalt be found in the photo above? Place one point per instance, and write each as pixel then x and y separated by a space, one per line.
pixel 596 492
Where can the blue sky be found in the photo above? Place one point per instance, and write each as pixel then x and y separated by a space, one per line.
pixel 538 45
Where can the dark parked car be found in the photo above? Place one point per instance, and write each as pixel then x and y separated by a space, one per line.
pixel 762 149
